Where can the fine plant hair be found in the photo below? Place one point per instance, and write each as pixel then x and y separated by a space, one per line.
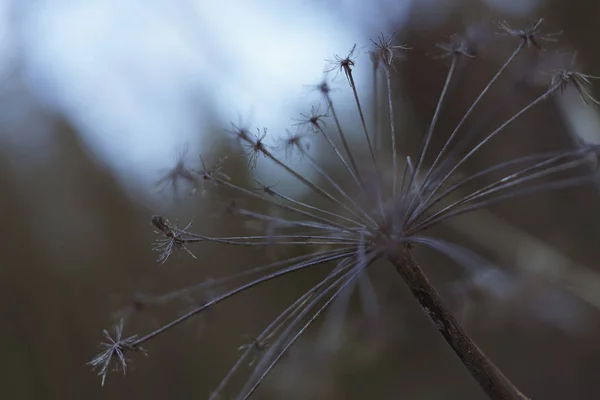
pixel 381 212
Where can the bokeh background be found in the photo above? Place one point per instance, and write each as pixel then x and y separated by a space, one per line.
pixel 100 98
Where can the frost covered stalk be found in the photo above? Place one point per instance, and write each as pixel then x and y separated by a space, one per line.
pixel 382 214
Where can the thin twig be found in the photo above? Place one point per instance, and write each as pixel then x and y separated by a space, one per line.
pixel 392 131
pixel 342 135
pixel 239 289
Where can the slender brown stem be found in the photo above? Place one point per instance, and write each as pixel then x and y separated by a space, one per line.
pixel 489 377
pixel 342 136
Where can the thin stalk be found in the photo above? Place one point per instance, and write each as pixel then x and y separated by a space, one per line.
pixel 423 151
pixel 342 159
pixel 434 119
pixel 407 162
pixel 482 369
pixel 342 135
pixel 343 283
pixel 281 196
pixel 462 145
pixel 545 156
pixel 308 183
pixel 376 143
pixel 507 181
pixel 138 342
pixel 570 182
pixel 269 243
pixel 350 76
pixel 510 181
pixel 301 331
pixel 282 206
pixel 212 283
pixel 283 222
pixel 469 111
pixel 275 325
pixel 252 239
pixel 362 117
pixel 392 131
pixel 364 216
pixel 529 106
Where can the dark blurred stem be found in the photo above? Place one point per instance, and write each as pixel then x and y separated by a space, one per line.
pixel 489 377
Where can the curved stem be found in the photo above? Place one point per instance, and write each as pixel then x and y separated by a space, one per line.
pixel 297 267
pixel 488 376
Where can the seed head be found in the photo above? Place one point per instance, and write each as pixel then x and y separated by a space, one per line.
pixel 456 46
pixel 255 146
pixel 314 119
pixel 293 142
pixel 173 238
pixel 581 82
pixel 530 36
pixel 267 189
pixel 114 351
pixel 179 173
pixel 343 64
pixel 385 51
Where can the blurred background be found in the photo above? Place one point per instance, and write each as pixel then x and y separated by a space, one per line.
pixel 100 100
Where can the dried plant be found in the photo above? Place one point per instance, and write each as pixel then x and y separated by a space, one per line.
pixel 381 215
pixel 113 352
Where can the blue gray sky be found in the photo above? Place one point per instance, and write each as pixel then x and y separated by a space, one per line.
pixel 140 79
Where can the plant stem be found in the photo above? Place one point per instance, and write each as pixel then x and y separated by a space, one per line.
pixel 489 377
